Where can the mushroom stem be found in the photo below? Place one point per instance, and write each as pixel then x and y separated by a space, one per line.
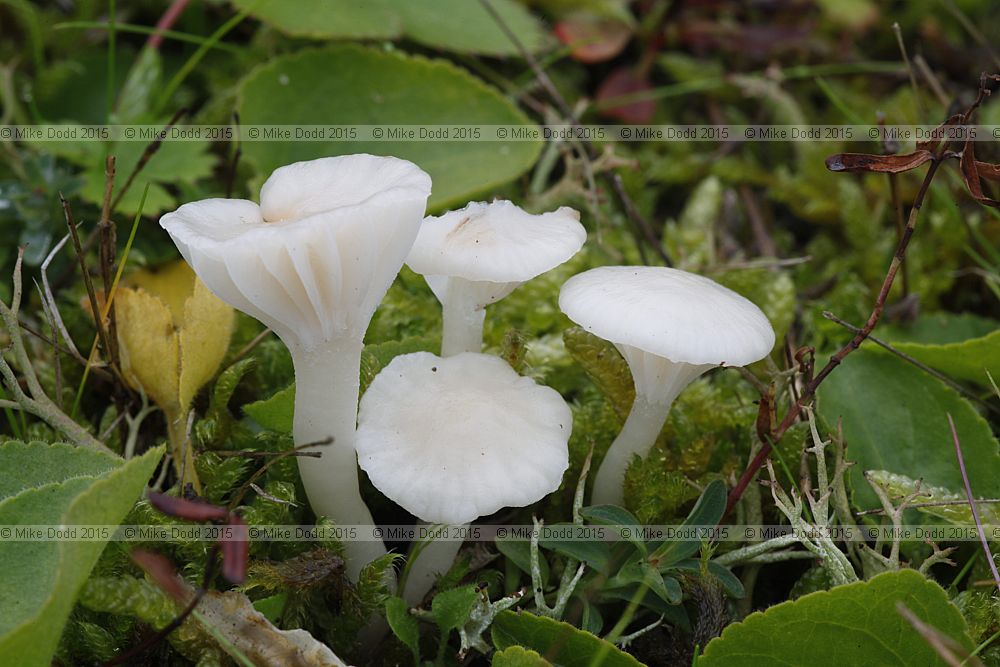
pixel 433 559
pixel 658 381
pixel 463 327
pixel 326 404
pixel 636 437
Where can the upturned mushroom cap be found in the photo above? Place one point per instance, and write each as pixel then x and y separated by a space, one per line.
pixel 496 242
pixel 316 257
pixel 455 438
pixel 670 313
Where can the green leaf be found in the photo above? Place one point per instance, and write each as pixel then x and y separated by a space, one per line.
pixel 34 464
pixel 595 554
pixel 856 624
pixel 326 19
pixel 707 511
pixel 272 606
pixel 275 413
pixel 612 515
pixel 40 580
pixel 967 360
pixel 517 656
pixel 452 25
pixel 518 551
pixel 561 643
pixel 895 419
pixel 939 329
pixel 348 85
pixel 730 582
pixel 451 609
pixel 403 625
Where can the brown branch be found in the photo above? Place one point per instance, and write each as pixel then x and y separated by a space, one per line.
pixel 810 388
pixel 147 155
pixel 102 333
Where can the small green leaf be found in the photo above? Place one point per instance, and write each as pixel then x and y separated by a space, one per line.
pixel 452 25
pixel 403 625
pixel 275 413
pixel 855 624
pixel 707 511
pixel 895 419
pixel 271 606
pixel 39 580
pixel 451 609
pixel 518 551
pixel 730 582
pixel 595 554
pixel 612 515
pixel 561 643
pixel 518 656
pixel 967 360
pixel 341 84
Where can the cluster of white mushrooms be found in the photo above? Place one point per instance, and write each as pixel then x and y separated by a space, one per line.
pixel 459 436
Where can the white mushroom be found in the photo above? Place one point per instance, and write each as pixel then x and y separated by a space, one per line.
pixel 670 326
pixel 478 255
pixel 312 262
pixel 455 438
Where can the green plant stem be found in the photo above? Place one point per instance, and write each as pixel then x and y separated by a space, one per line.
pixel 192 62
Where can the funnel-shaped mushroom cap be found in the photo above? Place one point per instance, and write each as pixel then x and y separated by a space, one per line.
pixel 455 438
pixel 497 243
pixel 669 313
pixel 315 258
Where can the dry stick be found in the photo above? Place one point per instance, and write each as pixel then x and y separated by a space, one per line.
pixel 37 403
pixel 810 389
pixel 909 69
pixel 932 80
pixel 639 222
pixel 907 358
pixel 897 205
pixel 108 251
pixel 250 346
pixel 146 157
pixel 972 502
pixel 765 244
pixel 102 333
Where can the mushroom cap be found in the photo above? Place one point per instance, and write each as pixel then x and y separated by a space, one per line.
pixel 455 438
pixel 316 257
pixel 496 242
pixel 669 313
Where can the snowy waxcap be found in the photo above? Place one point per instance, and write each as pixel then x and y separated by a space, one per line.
pixel 496 242
pixel 316 257
pixel 455 438
pixel 670 313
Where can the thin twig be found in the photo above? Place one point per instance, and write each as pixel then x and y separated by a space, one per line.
pixel 972 502
pixel 642 226
pixel 810 389
pixel 909 69
pixel 907 358
pixel 147 155
pixel 246 349
pixel 102 333
pixel 50 298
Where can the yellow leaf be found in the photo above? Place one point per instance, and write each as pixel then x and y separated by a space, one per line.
pixel 173 283
pixel 204 340
pixel 149 346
